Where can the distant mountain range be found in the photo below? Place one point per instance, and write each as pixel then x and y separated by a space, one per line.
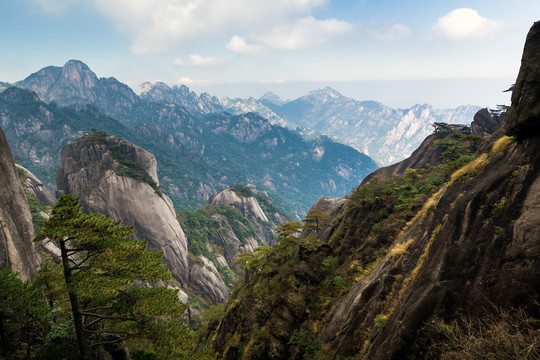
pixel 387 135
pixel 200 149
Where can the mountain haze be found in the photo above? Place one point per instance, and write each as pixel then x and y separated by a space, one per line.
pixel 387 135
pixel 199 154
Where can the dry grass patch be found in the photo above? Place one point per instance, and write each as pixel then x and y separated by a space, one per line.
pixel 501 144
pixel 500 337
pixel 400 249
pixel 471 169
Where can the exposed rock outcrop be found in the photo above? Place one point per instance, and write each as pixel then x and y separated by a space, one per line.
pixel 114 177
pixel 469 249
pixel 75 83
pixel 248 206
pixel 205 278
pixel 484 124
pixel 429 152
pixel 17 251
pixel 523 118
pixel 36 188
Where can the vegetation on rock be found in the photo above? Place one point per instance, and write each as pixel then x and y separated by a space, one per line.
pixel 383 242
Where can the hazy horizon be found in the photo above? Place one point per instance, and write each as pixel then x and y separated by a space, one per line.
pixel 398 53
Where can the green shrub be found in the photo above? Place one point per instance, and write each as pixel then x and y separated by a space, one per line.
pixel 380 321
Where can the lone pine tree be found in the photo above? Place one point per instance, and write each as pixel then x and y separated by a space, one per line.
pixel 103 272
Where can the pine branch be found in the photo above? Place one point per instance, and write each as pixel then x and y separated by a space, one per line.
pixel 104 317
pixel 99 308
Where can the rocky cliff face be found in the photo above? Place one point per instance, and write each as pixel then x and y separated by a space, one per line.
pixel 114 177
pixel 36 188
pixel 247 205
pixel 17 251
pixel 206 280
pixel 522 121
pixel 408 259
pixel 233 222
pixel 485 124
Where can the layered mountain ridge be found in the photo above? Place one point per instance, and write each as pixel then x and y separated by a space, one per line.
pixel 189 148
pixel 388 135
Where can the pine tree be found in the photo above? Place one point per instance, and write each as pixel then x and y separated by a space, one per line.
pixel 23 316
pixel 111 281
pixel 316 219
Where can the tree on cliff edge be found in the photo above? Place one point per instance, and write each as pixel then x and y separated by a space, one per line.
pixel 100 266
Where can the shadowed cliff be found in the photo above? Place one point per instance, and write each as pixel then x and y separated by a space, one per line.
pixel 409 259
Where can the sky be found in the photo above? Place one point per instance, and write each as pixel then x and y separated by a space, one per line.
pixel 444 53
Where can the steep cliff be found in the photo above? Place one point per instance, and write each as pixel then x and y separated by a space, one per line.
pixel 232 223
pixel 447 141
pixel 17 251
pixel 485 124
pixel 36 188
pixel 206 280
pixel 249 207
pixel 411 260
pixel 112 176
pixel 522 121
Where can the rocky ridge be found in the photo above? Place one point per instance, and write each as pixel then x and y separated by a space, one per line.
pixel 246 205
pixel 233 222
pixel 403 264
pixel 387 135
pixel 180 95
pixel 75 84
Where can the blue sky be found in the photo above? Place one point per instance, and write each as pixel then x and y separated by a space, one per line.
pixel 400 53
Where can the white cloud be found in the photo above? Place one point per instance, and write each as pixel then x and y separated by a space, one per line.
pixel 178 62
pixel 465 23
pixel 239 45
pixel 189 81
pixel 198 60
pixel 389 32
pixel 156 25
pixel 304 33
pixel 297 34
